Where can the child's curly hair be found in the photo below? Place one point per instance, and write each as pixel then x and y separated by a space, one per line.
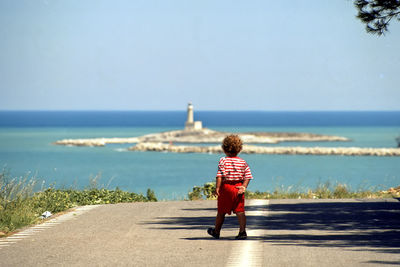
pixel 232 145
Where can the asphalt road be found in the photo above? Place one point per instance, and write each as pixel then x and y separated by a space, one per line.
pixel 281 233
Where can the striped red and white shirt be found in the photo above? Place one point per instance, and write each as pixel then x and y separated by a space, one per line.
pixel 233 169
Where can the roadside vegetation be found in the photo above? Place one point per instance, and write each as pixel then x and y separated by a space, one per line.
pixel 322 191
pixel 20 205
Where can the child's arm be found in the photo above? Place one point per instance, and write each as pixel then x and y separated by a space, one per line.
pixel 218 185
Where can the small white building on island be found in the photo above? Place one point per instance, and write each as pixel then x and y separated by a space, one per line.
pixel 190 123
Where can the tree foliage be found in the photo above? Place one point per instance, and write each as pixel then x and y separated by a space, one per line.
pixel 377 14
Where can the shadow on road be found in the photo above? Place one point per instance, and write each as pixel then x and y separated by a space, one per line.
pixel 357 225
pixel 344 224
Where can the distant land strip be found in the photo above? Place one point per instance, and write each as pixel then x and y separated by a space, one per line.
pixel 249 149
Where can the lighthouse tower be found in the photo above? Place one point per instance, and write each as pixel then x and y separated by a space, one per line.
pixel 190 123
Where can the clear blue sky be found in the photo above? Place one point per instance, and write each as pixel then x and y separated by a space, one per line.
pixel 221 55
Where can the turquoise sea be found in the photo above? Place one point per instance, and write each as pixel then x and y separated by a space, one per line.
pixel 28 150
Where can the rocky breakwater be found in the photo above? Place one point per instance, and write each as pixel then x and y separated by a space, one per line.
pixel 248 149
pixel 162 147
pixel 96 141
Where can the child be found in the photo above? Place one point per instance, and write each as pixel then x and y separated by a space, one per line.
pixel 233 176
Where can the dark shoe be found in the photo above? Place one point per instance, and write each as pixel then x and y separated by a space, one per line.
pixel 241 235
pixel 211 231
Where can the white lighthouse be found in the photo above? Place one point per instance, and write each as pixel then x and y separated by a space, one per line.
pixel 190 123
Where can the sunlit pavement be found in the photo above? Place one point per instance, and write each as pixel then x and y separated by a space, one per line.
pixel 281 233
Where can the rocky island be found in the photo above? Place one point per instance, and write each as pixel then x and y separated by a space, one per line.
pixel 193 133
pixel 203 136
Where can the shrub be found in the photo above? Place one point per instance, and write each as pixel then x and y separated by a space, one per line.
pixel 52 200
pixel 207 191
pixel 323 191
pixel 15 208
pixel 196 193
pixel 341 191
pixel 151 196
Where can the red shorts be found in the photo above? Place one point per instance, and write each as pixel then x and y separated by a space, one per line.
pixel 229 200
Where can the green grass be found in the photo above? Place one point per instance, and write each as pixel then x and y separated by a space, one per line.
pixel 322 191
pixel 21 206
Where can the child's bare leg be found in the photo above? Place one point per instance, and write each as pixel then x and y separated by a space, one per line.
pixel 219 221
pixel 242 221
